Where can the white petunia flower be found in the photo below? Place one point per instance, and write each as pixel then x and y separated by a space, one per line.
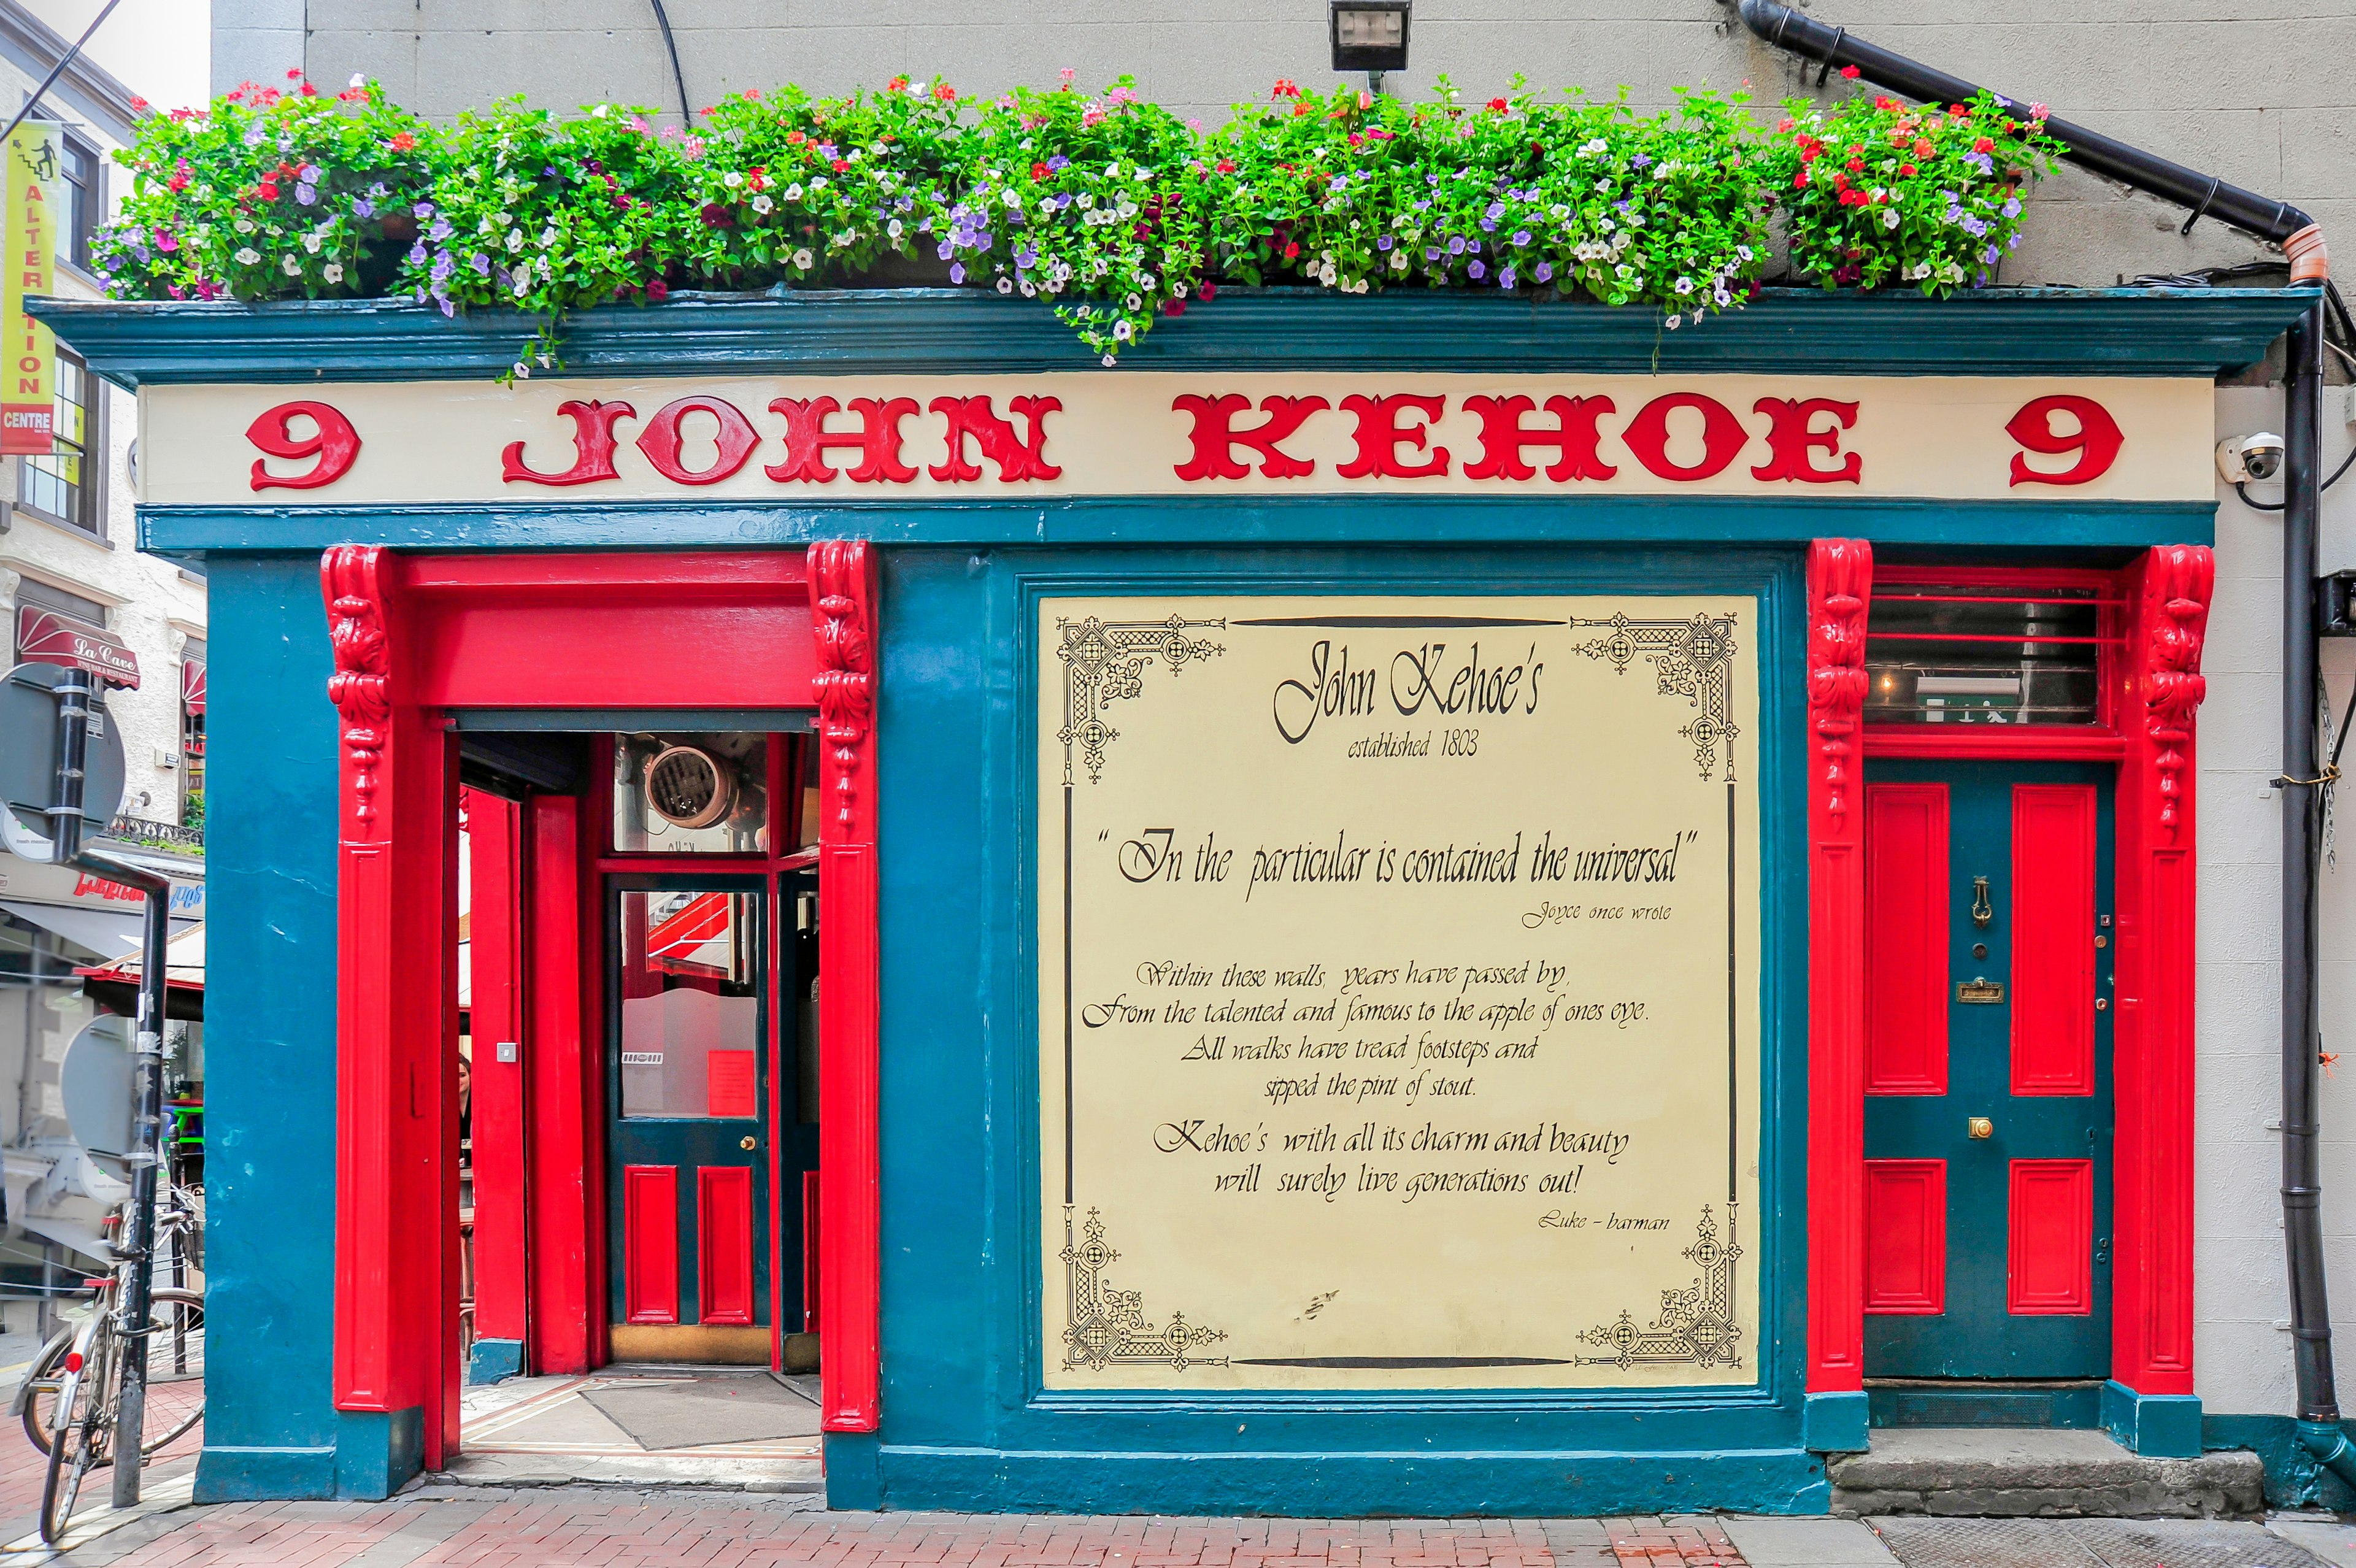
pixel 802 258
pixel 334 272
pixel 293 267
pixel 248 256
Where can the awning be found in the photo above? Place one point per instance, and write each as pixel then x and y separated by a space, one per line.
pixel 49 636
pixel 100 931
pixel 192 685
pixel 116 985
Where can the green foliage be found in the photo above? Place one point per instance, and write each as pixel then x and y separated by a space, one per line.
pixel 1880 192
pixel 1109 208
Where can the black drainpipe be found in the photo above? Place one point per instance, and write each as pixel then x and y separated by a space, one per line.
pixel 2282 224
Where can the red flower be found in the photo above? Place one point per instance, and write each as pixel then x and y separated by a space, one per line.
pixel 897 84
pixel 1496 106
pixel 139 103
pixel 1209 291
pixel 267 190
pixel 1800 180
pixel 945 94
pixel 1908 170
pixel 796 138
pixel 178 182
pixel 403 142
pixel 1922 147
pixel 1784 124
pixel 750 95
pixel 1855 166
pixel 1300 109
pixel 1885 105
pixel 841 164
pixel 310 91
pixel 1226 166
pixel 294 73
pixel 1292 249
pixel 1285 88
pixel 656 289
pixel 1851 72
pixel 1958 110
pixel 1984 146
pixel 1174 307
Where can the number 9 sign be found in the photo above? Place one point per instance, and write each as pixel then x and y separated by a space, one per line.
pixel 332 441
pixel 2096 441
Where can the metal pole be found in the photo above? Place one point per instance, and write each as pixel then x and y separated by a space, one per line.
pixel 2302 1181
pixel 139 1225
pixel 73 751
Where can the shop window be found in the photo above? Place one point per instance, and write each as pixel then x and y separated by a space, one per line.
pixel 692 794
pixel 1961 651
pixel 69 487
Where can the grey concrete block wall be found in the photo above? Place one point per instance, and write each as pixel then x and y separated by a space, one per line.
pixel 2260 95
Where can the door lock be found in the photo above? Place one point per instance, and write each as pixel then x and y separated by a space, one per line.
pixel 1979 1127
pixel 1983 913
pixel 745 1143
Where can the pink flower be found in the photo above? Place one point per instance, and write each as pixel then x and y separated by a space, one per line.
pixel 2037 112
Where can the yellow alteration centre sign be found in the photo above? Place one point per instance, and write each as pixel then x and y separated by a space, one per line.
pixel 1398 991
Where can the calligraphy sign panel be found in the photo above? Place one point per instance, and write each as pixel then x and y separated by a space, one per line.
pixel 1398 991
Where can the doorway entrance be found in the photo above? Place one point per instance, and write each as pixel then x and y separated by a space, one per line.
pixel 1989 965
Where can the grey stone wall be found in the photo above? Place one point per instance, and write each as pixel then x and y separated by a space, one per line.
pixel 2258 92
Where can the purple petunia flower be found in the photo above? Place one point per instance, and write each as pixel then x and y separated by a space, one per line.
pixel 957 273
pixel 1544 271
pixel 363 207
pixel 1478 269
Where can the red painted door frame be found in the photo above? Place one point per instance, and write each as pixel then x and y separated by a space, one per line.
pixel 415 635
pixel 2151 688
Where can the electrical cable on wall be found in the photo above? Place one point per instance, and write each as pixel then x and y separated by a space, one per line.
pixel 66 59
pixel 678 78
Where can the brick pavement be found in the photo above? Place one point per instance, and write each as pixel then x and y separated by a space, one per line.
pixel 677 1530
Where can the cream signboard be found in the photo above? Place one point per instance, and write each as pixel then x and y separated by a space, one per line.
pixel 816 439
pixel 1398 991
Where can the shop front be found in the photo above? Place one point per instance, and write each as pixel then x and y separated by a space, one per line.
pixel 1405 905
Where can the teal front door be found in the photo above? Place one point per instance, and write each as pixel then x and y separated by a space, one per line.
pixel 688 989
pixel 1988 1110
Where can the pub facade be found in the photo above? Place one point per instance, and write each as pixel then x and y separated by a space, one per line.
pixel 1411 904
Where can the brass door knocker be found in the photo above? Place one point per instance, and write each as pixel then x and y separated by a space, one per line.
pixel 1983 913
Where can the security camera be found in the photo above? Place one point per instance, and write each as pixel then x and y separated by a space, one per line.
pixel 2258 456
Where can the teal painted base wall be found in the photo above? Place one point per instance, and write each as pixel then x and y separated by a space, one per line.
pixel 2157 1426
pixel 493 1360
pixel 2293 1480
pixel 1289 1484
pixel 1835 1423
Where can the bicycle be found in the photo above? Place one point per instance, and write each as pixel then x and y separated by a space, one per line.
pixel 73 1392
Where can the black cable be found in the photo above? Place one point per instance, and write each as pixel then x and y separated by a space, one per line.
pixel 59 69
pixel 662 21
pixel 2277 506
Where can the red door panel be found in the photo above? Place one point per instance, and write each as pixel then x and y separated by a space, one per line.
pixel 1906 1235
pixel 2050 1271
pixel 1906 939
pixel 2053 829
pixel 724 1244
pixel 650 1243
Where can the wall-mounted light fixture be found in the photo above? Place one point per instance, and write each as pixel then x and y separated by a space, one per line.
pixel 1369 35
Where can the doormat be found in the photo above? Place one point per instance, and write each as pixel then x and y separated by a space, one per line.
pixel 2088 1543
pixel 700 1411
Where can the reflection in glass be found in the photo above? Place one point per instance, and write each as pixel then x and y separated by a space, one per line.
pixel 1939 654
pixel 690 1008
pixel 694 793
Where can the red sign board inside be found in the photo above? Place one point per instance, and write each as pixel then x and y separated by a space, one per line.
pixel 46 636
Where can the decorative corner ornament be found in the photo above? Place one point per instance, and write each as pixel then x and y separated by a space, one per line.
pixel 2180 580
pixel 352 577
pixel 1840 591
pixel 842 595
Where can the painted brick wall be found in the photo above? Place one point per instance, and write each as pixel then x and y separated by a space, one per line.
pixel 2263 100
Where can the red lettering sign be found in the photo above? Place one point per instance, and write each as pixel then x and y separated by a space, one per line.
pixel 1215 436
pixel 877 441
pixel 333 442
pixel 2096 441
pixel 663 440
pixel 1792 441
pixel 1722 436
pixel 1574 439
pixel 592 446
pixel 1017 458
pixel 1380 435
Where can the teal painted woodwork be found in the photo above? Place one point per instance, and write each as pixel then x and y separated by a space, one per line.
pixel 2157 1426
pixel 1978 1335
pixel 493 1360
pixel 2079 533
pixel 2075 1404
pixel 2293 1480
pixel 1836 1422
pixel 1992 332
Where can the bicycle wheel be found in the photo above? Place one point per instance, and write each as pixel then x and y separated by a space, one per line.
pixel 41 1380
pixel 79 1439
pixel 176 1370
